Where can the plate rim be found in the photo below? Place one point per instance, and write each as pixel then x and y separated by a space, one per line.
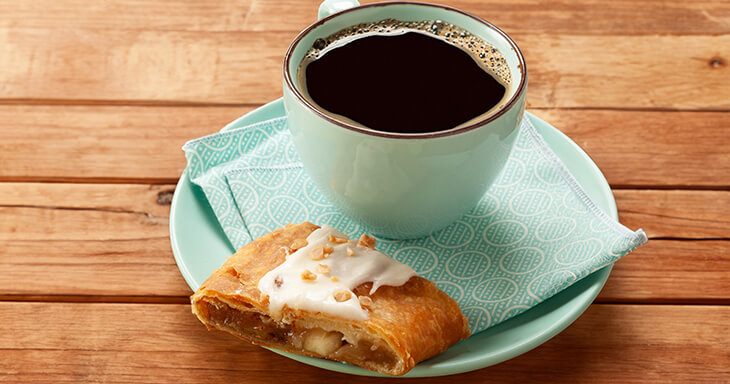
pixel 479 362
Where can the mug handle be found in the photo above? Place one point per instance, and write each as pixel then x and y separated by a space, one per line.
pixel 329 7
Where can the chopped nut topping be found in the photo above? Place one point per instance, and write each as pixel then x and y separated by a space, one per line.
pixel 366 241
pixel 365 301
pixel 297 244
pixel 278 281
pixel 327 250
pixel 337 240
pixel 334 279
pixel 342 296
pixel 317 253
pixel 322 268
pixel 308 275
pixel 350 252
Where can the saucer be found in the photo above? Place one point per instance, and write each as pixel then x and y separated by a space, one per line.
pixel 200 246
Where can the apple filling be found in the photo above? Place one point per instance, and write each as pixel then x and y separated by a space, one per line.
pixel 260 328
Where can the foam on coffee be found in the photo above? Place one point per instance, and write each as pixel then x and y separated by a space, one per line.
pixel 484 55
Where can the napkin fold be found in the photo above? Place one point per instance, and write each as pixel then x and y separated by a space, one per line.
pixel 534 233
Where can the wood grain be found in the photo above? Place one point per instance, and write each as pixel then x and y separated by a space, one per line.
pixel 118 343
pixel 152 201
pixel 58 269
pixel 142 143
pixel 667 17
pixel 165 62
pixel 631 72
pixel 69 239
pixel 641 148
pixel 585 17
pixel 671 271
pixel 683 214
pixel 102 142
pixel 159 66
pixel 112 240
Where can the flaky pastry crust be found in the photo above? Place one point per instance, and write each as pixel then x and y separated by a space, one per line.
pixel 406 324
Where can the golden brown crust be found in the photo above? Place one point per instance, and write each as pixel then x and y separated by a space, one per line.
pixel 416 321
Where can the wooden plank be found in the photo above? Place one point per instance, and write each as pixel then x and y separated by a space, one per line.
pixel 130 15
pixel 132 343
pixel 112 240
pixel 148 200
pixel 585 17
pixel 629 72
pixel 667 17
pixel 683 214
pixel 52 142
pixel 69 239
pixel 640 148
pixel 102 142
pixel 60 269
pixel 170 66
pixel 667 271
pixel 160 66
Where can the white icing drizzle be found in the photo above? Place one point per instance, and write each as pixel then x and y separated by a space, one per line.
pixel 285 286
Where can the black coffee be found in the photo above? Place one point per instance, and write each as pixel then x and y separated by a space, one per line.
pixel 405 77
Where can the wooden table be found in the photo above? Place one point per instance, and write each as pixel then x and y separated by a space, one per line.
pixel 97 97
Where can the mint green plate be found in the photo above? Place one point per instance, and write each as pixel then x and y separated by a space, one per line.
pixel 200 246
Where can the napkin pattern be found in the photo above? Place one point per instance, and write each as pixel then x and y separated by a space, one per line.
pixel 264 144
pixel 534 233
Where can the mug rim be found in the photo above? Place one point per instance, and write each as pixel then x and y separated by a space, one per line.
pixel 397 135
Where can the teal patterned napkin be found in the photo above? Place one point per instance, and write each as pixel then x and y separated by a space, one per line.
pixel 534 233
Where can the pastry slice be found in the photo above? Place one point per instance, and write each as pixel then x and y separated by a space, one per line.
pixel 312 291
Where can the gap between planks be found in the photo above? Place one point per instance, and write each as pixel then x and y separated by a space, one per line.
pixel 129 103
pixel 98 299
pixel 91 180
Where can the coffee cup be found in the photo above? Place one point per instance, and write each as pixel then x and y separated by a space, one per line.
pixel 401 177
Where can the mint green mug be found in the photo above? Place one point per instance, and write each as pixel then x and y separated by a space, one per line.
pixel 399 185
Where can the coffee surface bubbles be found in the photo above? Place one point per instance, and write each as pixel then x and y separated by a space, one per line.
pixel 405 77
